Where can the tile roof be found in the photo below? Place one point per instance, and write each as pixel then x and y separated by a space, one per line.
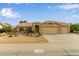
pixel 24 24
pixel 59 23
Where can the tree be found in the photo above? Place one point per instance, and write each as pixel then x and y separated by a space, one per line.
pixel 74 27
pixel 34 30
pixel 7 28
pixel 77 25
pixel 23 21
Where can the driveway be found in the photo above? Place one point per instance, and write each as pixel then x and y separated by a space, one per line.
pixel 68 42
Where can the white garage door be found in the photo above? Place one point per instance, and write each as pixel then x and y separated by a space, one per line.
pixel 64 30
pixel 49 30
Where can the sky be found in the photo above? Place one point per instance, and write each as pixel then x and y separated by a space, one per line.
pixel 12 13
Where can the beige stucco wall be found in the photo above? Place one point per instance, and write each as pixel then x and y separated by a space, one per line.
pixel 55 29
pixel 0 26
pixel 63 30
pixel 50 30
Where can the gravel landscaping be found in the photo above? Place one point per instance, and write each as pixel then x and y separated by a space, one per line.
pixel 21 39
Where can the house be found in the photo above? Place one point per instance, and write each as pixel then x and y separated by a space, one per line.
pixel 1 26
pixel 52 27
pixel 48 27
pixel 24 27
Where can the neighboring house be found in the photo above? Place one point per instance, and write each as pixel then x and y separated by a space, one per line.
pixel 49 27
pixel 1 26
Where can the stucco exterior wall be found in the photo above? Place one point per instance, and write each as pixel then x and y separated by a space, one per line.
pixel 55 29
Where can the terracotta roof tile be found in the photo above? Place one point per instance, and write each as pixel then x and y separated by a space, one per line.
pixel 24 24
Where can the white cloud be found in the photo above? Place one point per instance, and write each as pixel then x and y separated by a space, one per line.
pixel 13 3
pixel 49 7
pixel 8 12
pixel 75 16
pixel 68 6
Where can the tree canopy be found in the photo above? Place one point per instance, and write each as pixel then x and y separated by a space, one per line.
pixel 23 21
pixel 74 27
pixel 6 28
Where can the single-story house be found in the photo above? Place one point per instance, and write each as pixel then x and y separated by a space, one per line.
pixel 24 27
pixel 49 27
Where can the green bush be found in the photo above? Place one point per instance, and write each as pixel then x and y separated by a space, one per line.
pixel 7 28
pixel 1 30
pixel 74 27
pixel 35 34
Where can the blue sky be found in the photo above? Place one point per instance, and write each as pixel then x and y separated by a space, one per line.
pixel 39 12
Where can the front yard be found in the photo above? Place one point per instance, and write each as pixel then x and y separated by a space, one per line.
pixel 22 39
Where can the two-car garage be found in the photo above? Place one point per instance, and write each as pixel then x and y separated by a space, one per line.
pixel 64 30
pixel 55 28
pixel 50 30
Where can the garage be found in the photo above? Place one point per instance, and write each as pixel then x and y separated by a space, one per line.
pixel 64 30
pixel 50 30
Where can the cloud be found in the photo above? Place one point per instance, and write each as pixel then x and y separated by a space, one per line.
pixel 9 13
pixel 49 7
pixel 75 16
pixel 68 6
pixel 14 3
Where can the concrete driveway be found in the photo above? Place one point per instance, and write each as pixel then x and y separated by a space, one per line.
pixel 68 42
pixel 60 44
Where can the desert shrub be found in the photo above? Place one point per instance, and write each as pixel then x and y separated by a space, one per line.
pixel 10 36
pixel 15 35
pixel 35 34
pixel 1 30
pixel 14 30
pixel 33 30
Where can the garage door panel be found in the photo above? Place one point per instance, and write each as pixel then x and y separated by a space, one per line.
pixel 64 30
pixel 50 30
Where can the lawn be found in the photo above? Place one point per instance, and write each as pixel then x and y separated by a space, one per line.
pixel 22 39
